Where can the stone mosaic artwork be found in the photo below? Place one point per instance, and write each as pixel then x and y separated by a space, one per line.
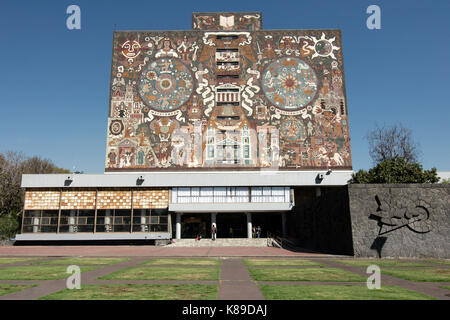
pixel 227 94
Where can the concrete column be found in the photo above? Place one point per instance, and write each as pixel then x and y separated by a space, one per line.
pixel 249 225
pixel 143 221
pixel 283 225
pixel 178 226
pixel 72 221
pixel 318 192
pixel 213 221
pixel 36 218
pixel 108 220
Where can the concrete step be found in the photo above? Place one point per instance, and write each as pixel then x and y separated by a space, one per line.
pixel 226 242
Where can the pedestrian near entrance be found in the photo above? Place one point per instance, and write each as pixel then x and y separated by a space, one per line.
pixel 258 231
pixel 231 232
pixel 253 232
pixel 213 232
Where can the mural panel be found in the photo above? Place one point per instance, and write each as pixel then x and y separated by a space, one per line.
pixel 224 96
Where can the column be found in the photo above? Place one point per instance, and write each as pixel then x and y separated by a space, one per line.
pixel 107 220
pixel 72 221
pixel 178 226
pixel 213 221
pixel 318 192
pixel 143 221
pixel 283 224
pixel 36 221
pixel 249 225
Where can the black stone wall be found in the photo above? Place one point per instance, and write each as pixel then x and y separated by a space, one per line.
pixel 404 220
pixel 374 220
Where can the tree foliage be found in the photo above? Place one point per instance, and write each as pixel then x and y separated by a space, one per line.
pixel 396 170
pixel 387 142
pixel 12 166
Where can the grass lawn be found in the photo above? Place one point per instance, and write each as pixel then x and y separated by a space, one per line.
pixel 11 288
pixel 16 260
pixel 304 274
pixel 137 292
pixel 382 263
pixel 84 261
pixel 445 287
pixel 429 274
pixel 280 262
pixel 184 261
pixel 174 273
pixel 37 272
pixel 338 292
pixel 447 262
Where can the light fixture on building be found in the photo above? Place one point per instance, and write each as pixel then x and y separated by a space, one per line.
pixel 139 180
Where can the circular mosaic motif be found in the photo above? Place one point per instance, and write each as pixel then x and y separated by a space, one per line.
pixel 165 84
pixel 116 127
pixel 323 47
pixel 289 83
pixel 291 129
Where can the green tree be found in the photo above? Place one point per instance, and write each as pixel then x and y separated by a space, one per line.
pixel 12 166
pixel 396 170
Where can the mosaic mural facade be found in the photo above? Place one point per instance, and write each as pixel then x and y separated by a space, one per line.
pixel 227 94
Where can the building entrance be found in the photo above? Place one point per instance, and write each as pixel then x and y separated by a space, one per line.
pixel 193 225
pixel 268 222
pixel 231 225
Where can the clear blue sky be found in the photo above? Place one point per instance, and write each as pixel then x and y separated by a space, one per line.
pixel 54 82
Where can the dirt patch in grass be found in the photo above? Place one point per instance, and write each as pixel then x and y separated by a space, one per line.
pixel 138 292
pixel 173 273
pixel 280 262
pixel 184 261
pixel 84 261
pixel 382 263
pixel 425 275
pixel 304 274
pixel 37 272
pixel 338 292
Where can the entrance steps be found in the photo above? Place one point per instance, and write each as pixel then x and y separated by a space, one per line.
pixel 225 242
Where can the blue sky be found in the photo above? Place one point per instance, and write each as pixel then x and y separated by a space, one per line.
pixel 55 82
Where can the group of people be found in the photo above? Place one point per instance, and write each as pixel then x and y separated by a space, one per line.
pixel 256 232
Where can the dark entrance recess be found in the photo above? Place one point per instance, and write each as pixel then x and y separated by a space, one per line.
pixel 193 225
pixel 231 225
pixel 269 222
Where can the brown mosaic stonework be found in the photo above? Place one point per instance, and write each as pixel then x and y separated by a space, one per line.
pixel 78 200
pixel 227 94
pixel 151 199
pixel 114 200
pixel 41 200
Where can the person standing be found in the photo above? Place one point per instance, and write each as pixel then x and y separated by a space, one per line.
pixel 258 231
pixel 213 232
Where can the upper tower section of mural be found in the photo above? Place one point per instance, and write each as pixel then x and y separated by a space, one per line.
pixel 227 94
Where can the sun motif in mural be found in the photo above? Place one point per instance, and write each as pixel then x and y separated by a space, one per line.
pixel 323 47
pixel 165 84
pixel 291 129
pixel 289 83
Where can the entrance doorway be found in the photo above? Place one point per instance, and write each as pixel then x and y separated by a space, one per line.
pixel 231 225
pixel 268 222
pixel 193 225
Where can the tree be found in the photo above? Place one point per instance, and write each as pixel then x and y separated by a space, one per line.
pixel 396 170
pixel 392 141
pixel 12 166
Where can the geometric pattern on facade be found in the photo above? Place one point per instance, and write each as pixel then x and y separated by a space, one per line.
pixel 106 199
pixel 227 95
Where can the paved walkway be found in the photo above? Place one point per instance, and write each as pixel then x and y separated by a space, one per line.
pixel 148 251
